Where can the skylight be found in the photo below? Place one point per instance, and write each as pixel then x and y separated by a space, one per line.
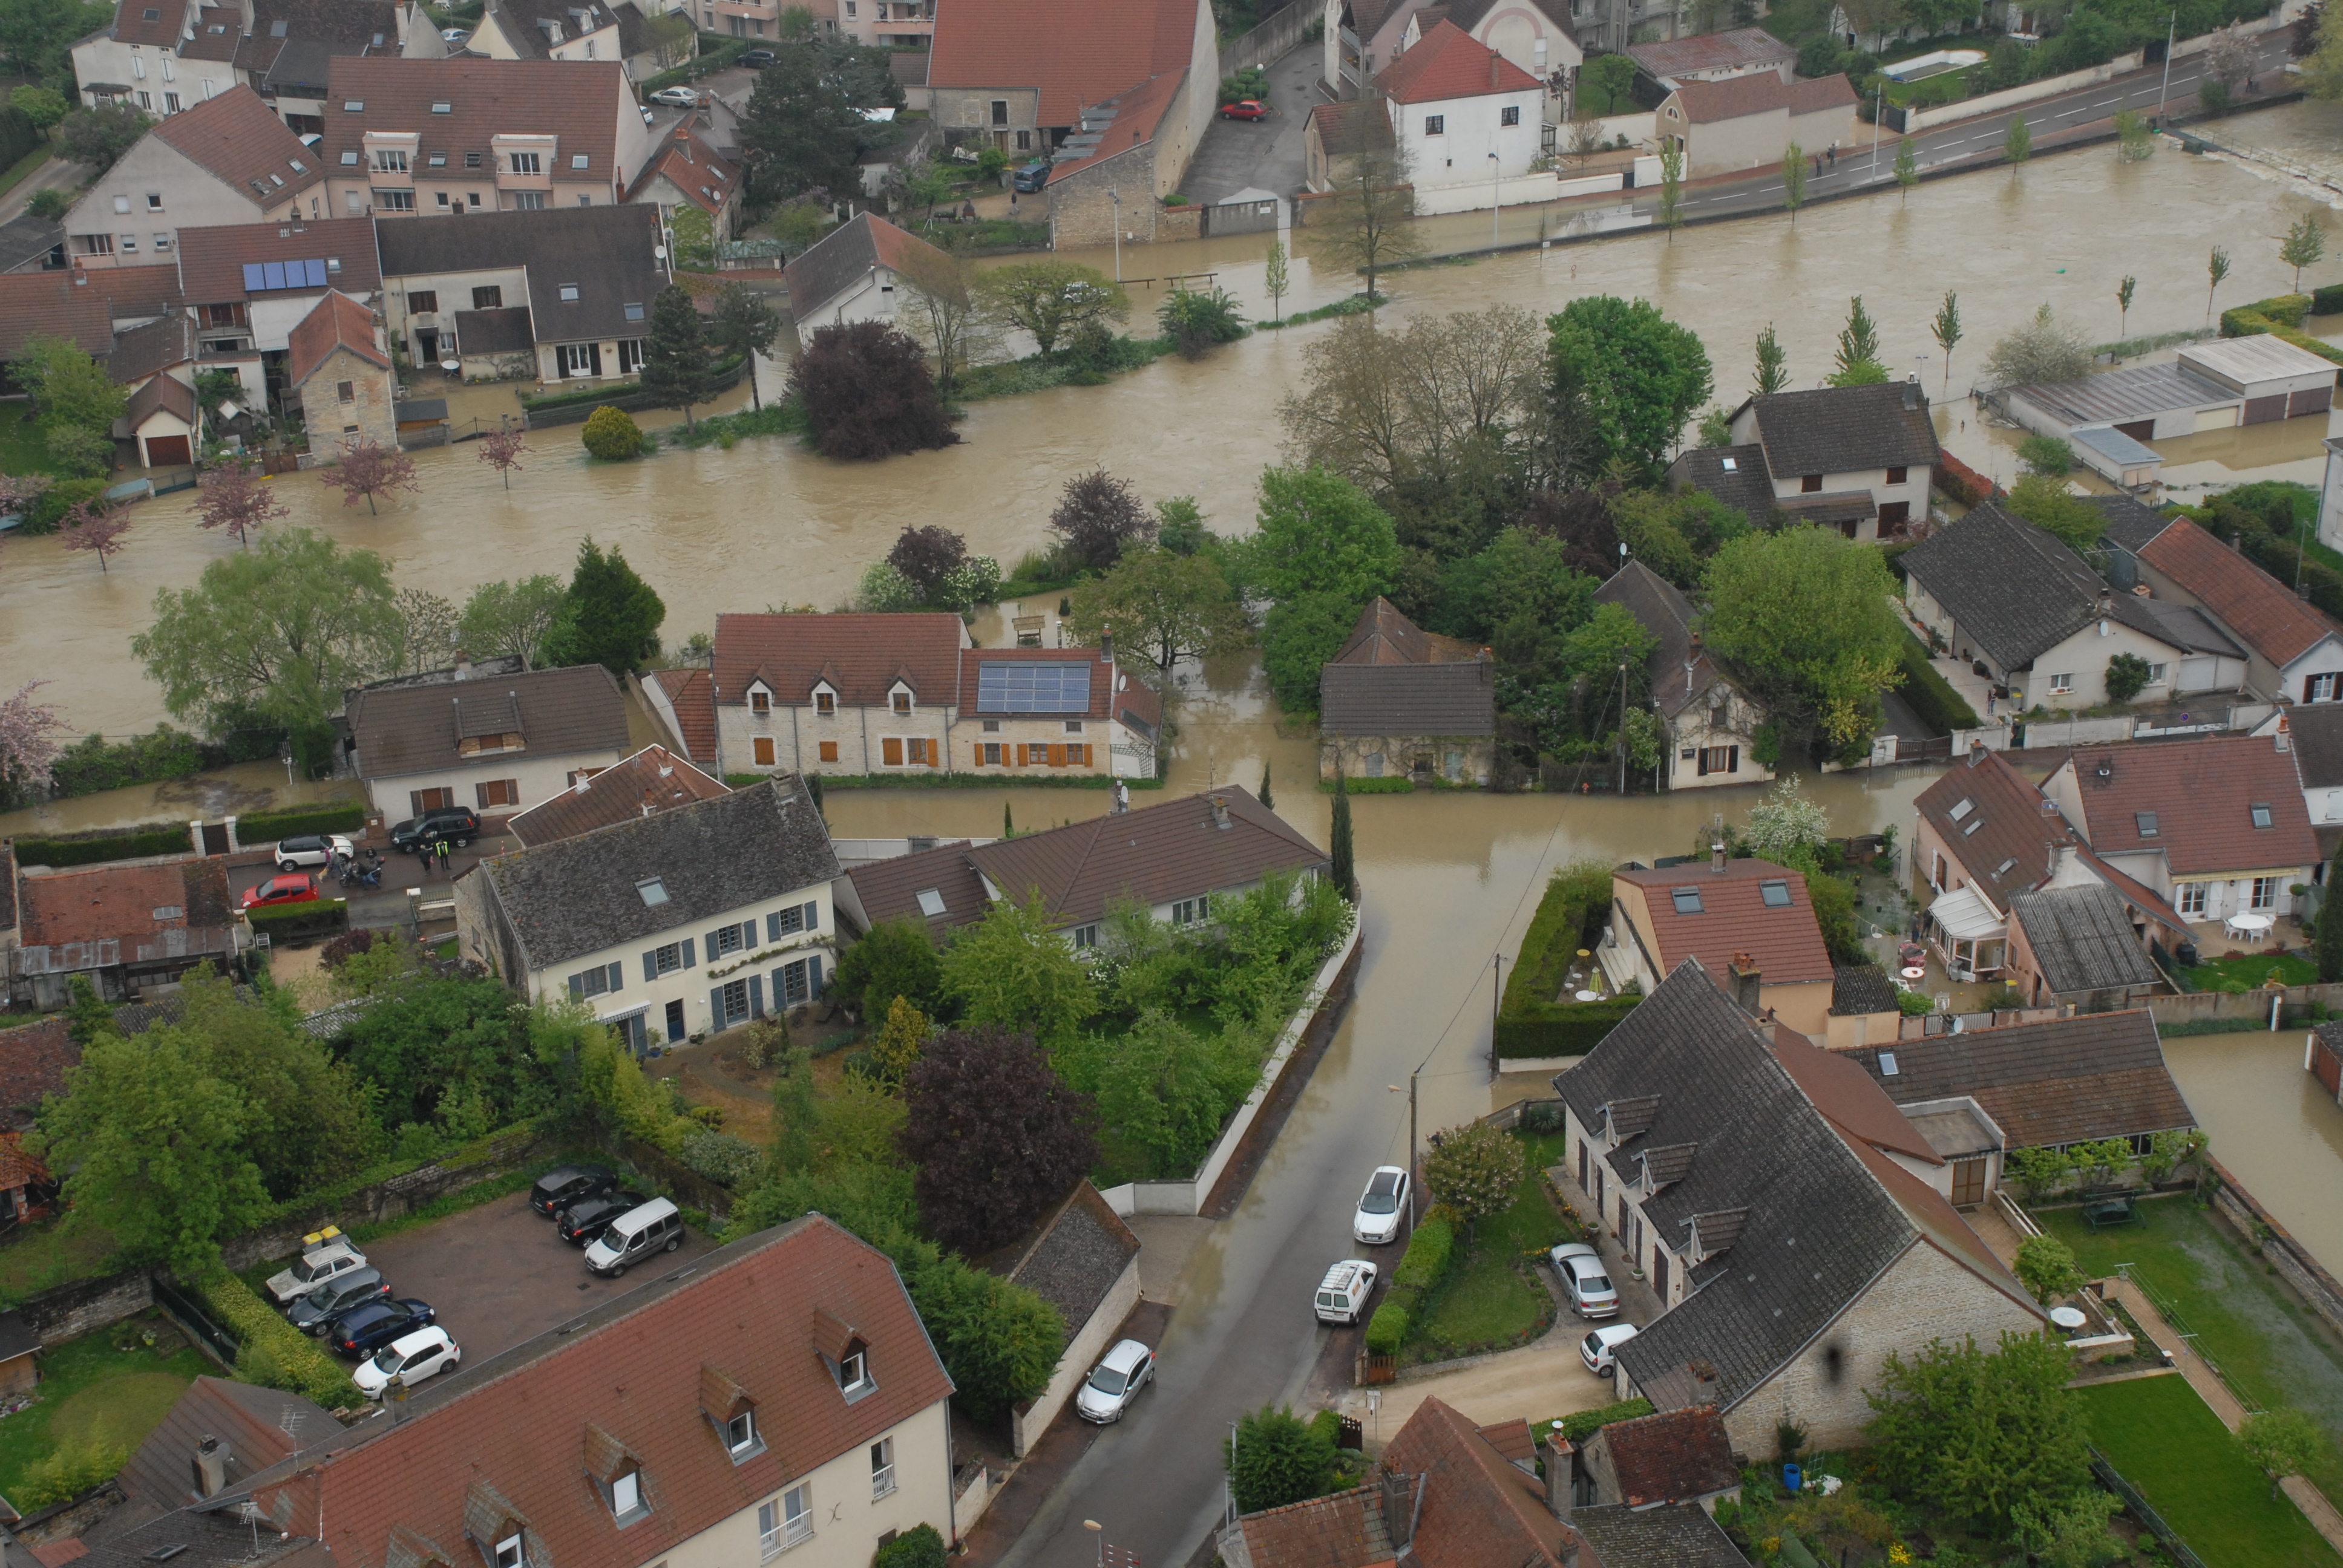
pixel 654 892
pixel 932 902
pixel 2003 869
pixel 2146 822
pixel 1973 827
pixel 1887 1068
pixel 1777 894
pixel 634 312
pixel 2261 816
pixel 349 106
pixel 569 291
pixel 1961 807
pixel 443 108
pixel 1687 900
pixel 1732 465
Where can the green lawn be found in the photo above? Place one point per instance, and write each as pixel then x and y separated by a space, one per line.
pixel 15 172
pixel 91 1388
pixel 2250 970
pixel 2166 1442
pixel 22 450
pixel 49 1254
pixel 1491 1299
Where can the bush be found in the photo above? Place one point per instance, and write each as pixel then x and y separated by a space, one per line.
pixel 1561 1028
pixel 93 763
pixel 288 922
pixel 69 1471
pixel 2127 675
pixel 2326 301
pixel 612 435
pixel 296 1363
pixel 723 1158
pixel 49 511
pixel 1387 1330
pixel 113 844
pixel 1929 695
pixel 1429 1253
pixel 1579 1427
pixel 919 1546
pixel 268 827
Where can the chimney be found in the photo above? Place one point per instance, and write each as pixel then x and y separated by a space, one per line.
pixel 463 665
pixel 1912 392
pixel 1106 645
pixel 1976 752
pixel 650 802
pixel 1219 805
pixel 1492 70
pixel 2283 745
pixel 1745 984
pixel 211 1467
pixel 1560 1465
pixel 1399 1507
pixel 2237 544
pixel 1704 1382
pixel 1716 859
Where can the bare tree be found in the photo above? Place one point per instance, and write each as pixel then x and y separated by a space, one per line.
pixel 1376 404
pixel 505 448
pixel 87 529
pixel 427 631
pixel 943 313
pixel 1369 224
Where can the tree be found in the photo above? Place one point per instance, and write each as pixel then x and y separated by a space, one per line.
pixel 2124 292
pixel 1980 1435
pixel 1366 222
pixel 926 556
pixel 511 617
pixel 45 106
pixel 2134 142
pixel 610 616
pixel 1947 329
pixel 894 959
pixel 1264 795
pixel 1907 166
pixel 1169 606
pixel 670 39
pixel 1276 1458
pixel 1317 533
pixel 2043 352
pixel 90 1014
pixel 1199 319
pixel 369 468
pixel 1010 971
pixel 1803 616
pixel 1858 349
pixel 1794 180
pixel 1788 828
pixel 995 1133
pixel 82 451
pixel 427 632
pixel 1097 518
pixel 2046 455
pixel 2019 146
pixel 1773 364
pixel 70 388
pixel 998 1341
pixel 1605 80
pixel 868 392
pixel 801 129
pixel 98 532
pixel 2070 1531
pixel 898 1042
pixel 744 326
pixel 1050 301
pixel 2046 1266
pixel 2127 675
pixel 2282 1442
pixel 281 630
pixel 2230 57
pixel 2328 948
pixel 38 35
pixel 2305 245
pixel 1179 526
pixel 504 447
pixel 943 313
pixel 49 204
pixel 29 744
pixel 1642 376
pixel 611 436
pixel 1672 164
pixel 1276 279
pixel 2216 269
pixel 922 1546
pixel 675 369
pixel 99 137
pixel 1340 853
pixel 2044 500
pixel 1473 1170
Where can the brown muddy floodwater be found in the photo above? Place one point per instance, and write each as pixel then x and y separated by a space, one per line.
pixel 2272 1126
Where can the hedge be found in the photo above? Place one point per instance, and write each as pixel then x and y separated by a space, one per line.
pixel 268 827
pixel 1530 1022
pixel 2251 320
pixel 1960 482
pixel 303 1366
pixel 2326 301
pixel 1429 1252
pixel 1928 693
pixel 1387 1330
pixel 1585 1423
pixel 285 921
pixel 113 844
pixel 93 763
pixel 715 54
pixel 18 137
pixel 1559 1029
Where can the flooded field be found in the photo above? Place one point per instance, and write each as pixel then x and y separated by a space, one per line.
pixel 2272 1126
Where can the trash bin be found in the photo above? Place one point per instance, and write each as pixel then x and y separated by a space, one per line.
pixel 1792 1477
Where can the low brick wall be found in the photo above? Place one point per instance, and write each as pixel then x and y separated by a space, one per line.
pixel 2279 1248
pixel 2248 1010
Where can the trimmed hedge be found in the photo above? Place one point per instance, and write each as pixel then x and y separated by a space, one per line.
pixel 304 1366
pixel 285 921
pixel 113 844
pixel 1429 1252
pixel 1530 1022
pixel 1387 1330
pixel 2272 316
pixel 268 827
pixel 1585 1423
pixel 1928 693
pixel 2326 301
pixel 1562 1029
pixel 93 763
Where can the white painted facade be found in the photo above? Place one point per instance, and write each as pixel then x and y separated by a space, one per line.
pixel 1460 142
pixel 131 215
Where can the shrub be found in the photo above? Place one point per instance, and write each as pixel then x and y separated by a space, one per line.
pixel 346 947
pixel 300 1364
pixel 69 1471
pixel 93 763
pixel 723 1158
pixel 919 1546
pixel 1585 1423
pixel 1429 1253
pixel 59 498
pixel 286 922
pixel 112 844
pixel 2127 675
pixel 868 392
pixel 612 435
pixel 1387 1330
pixel 2326 301
pixel 268 827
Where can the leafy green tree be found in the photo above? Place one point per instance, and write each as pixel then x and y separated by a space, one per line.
pixel 1605 80
pixel 1642 375
pixel 610 616
pixel 2328 948
pixel 37 35
pixel 2127 675
pixel 1858 342
pixel 2071 1531
pixel 1946 330
pixel 70 388
pixel 2282 1442
pixel 1608 638
pixel 1198 320
pixel 1907 167
pixel 1168 607
pixel 2047 503
pixel 1298 637
pixel 2044 351
pixel 2046 1266
pixel 1980 1434
pixel 49 204
pixel 2305 245
pixel 1833 898
pixel 444 1036
pixel 1672 166
pixel 1803 616
pixel 801 129
pixel 1473 1170
pixel 2135 140
pixel 995 1134
pixel 2019 146
pixel 1520 596
pixel 90 1014
pixel 1773 364
pixel 1011 970
pixel 1674 535
pixel 1788 828
pixel 1051 301
pixel 898 1042
pixel 1162 1096
pixel 45 106
pixel 1794 180
pixel 744 326
pixel 675 369
pixel 1276 1457
pixel 1343 867
pixel 511 617
pixel 998 1341
pixel 99 137
pixel 2123 293
pixel 2046 455
pixel 1277 279
pixel 922 1546
pixel 894 959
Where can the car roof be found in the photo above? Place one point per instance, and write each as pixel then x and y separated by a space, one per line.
pixel 1574 1249
pixel 1125 1356
pixel 561 1173
pixel 657 1209
pixel 1616 1334
pixel 408 1344
pixel 1344 1272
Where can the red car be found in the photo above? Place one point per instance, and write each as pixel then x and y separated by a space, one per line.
pixel 1245 109
pixel 298 888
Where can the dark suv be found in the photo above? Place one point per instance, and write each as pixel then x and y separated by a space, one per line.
pixel 587 1218
pixel 758 59
pixel 565 1184
pixel 457 824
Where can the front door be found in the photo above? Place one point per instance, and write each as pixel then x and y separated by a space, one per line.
pixel 1968 1182
pixel 675 1021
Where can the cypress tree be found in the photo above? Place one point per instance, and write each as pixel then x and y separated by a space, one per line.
pixel 1008 828
pixel 610 617
pixel 675 356
pixel 1345 871
pixel 2328 938
pixel 1266 798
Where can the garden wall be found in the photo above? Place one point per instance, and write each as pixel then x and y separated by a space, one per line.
pixel 1269 40
pixel 1089 1342
pixel 68 1311
pixel 2278 1247
pixel 395 1197
pixel 689 1186
pixel 1918 120
pixel 2249 1009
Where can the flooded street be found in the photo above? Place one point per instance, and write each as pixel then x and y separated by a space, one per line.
pixel 2272 1126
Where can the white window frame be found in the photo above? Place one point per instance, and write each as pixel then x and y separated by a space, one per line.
pixel 883 1468
pixel 740 1435
pixel 628 1500
pixel 2264 892
pixel 2191 898
pixel 512 1551
pixel 787 1521
pixel 854 1371
pixel 2061 684
pixel 2157 673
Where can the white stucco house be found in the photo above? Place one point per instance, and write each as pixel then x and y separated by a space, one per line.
pixel 857 273
pixel 1467 123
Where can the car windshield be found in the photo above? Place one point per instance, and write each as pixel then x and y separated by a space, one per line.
pixel 1592 1284
pixel 1106 1379
pixel 1594 1343
pixel 387 1361
pixel 306 1270
pixel 322 1296
pixel 1383 1195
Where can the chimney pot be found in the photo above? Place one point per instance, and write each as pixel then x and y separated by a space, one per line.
pixel 2237 543
pixel 1716 861
pixel 1560 1465
pixel 1219 804
pixel 1912 393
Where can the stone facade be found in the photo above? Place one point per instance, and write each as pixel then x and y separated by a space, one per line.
pixel 348 398
pixel 1082 213
pixel 1457 759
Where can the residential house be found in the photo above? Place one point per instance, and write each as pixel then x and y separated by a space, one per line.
pixel 227 160
pixel 2315 733
pixel 155 363
pixel 686 170
pixel 1711 722
pixel 2330 495
pixel 34 1060
pixel 126 927
pixel 1674 1456
pixel 1682 1536
pixel 94 310
pixel 778 1394
pixel 1177 859
pixel 1053 707
pixel 652 780
pixel 247 285
pixel 1466 120
pixel 1994 590
pixel 2078 947
pixel 684 702
pixel 1083 1261
pixel 2293 653
pixel 1944 1145
pixel 2211 386
pixel 1349 1528
pixel 1126 153
pixel 338 371
pixel 1749 922
pixel 2215 826
pixel 152 55
pixel 858 271
pixel 662 924
pixel 1750 121
pixel 496 745
pixel 1713 57
pixel 1361 37
pixel 1791 1251
pixel 28 244
pixel 798 693
pixel 289 48
pixel 1856 459
pixel 896 25
pixel 1335 137
pixel 1476 1498
pixel 430 137
pixel 1397 699
pixel 555 295
pixel 547 30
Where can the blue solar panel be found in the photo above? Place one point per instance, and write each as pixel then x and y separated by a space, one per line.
pixel 1033 687
pixel 260 276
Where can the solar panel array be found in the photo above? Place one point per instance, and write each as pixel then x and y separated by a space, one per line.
pixel 1033 687
pixel 259 276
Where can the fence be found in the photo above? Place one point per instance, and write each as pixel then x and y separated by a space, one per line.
pixel 2172 1314
pixel 1248 217
pixel 1269 40
pixel 2113 1482
pixel 210 1337
pixel 631 401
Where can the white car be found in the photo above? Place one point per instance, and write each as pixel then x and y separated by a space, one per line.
pixel 680 97
pixel 1591 1294
pixel 422 1355
pixel 330 1258
pixel 1341 1296
pixel 1382 1207
pixel 1599 1350
pixel 312 849
pixel 454 35
pixel 1115 1381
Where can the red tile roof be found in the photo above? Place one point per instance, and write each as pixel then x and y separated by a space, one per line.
pixel 1933 1215
pixel 2202 793
pixel 2001 820
pixel 1787 942
pixel 1450 63
pixel 125 903
pixel 1742 47
pixel 336 321
pixel 54 304
pixel 652 779
pixel 212 260
pixel 972 661
pixel 1343 127
pixel 889 890
pixel 1808 94
pixel 864 653
pixel 1478 1510
pixel 1345 1530
pixel 1136 112
pixel 2252 604
pixel 156 23
pixel 702 174
pixel 1850 1097
pixel 239 138
pixel 133 292
pixel 1073 57
pixel 1760 93
pixel 1385 636
pixel 579 101
pixel 16 1167
pixel 1676 1456
pixel 692 695
pixel 33 1063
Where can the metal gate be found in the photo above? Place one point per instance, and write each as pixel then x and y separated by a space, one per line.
pixel 1243 217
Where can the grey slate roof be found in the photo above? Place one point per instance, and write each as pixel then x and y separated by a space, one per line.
pixel 2317 730
pixel 505 330
pixel 1861 988
pixel 1664 611
pixel 606 251
pixel 579 895
pixel 1842 429
pixel 2099 1075
pixel 1076 1257
pixel 845 253
pixel 1679 1536
pixel 2130 523
pixel 414 729
pixel 25 240
pixel 2082 939
pixel 1745 486
pixel 1408 698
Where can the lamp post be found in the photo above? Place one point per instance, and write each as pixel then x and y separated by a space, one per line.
pixel 1879 107
pixel 1493 199
pixel 2171 31
pixel 1497 994
pixel 1115 196
pixel 1095 1528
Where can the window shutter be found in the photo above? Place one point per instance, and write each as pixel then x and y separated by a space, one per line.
pixel 578 988
pixel 1732 758
pixel 813 975
pixel 891 751
pixel 480 796
pixel 650 964
pixel 691 957
pixel 617 976
pixel 748 933
pixel 773 928
pixel 414 800
pixel 1056 756
pixel 715 1010
pixel 755 996
pixel 814 917
pixel 715 946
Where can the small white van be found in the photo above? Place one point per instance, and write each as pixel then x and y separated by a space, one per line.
pixel 634 1235
pixel 1343 1294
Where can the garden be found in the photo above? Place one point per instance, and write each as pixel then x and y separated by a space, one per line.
pixel 2239 973
pixel 99 1397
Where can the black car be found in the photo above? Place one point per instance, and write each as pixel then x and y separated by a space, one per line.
pixel 1032 177
pixel 316 1312
pixel 588 1217
pixel 758 59
pixel 362 1331
pixel 565 1184
pixel 456 824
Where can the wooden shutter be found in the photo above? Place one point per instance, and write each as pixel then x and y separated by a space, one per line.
pixel 1732 758
pixel 617 976
pixel 415 803
pixel 1056 756
pixel 715 946
pixel 480 796
pixel 891 751
pixel 1660 1274
pixel 650 964
pixel 578 988
pixel 690 955
pixel 814 917
pixel 773 928
pixel 755 996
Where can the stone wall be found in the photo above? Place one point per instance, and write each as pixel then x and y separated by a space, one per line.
pixel 1393 756
pixel 2279 1248
pixel 396 1197
pixel 1082 213
pixel 68 1311
pixel 1088 1341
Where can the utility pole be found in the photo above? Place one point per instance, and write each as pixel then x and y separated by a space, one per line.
pixel 1879 107
pixel 2171 31
pixel 1622 746
pixel 1115 196
pixel 1494 198
pixel 1496 969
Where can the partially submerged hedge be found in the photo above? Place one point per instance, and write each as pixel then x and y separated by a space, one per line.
pixel 112 844
pixel 268 827
pixel 1928 693
pixel 291 1359
pixel 2281 317
pixel 1530 1022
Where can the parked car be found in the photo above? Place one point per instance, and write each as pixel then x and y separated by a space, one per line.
pixel 454 35
pixel 678 97
pixel 315 1312
pixel 758 59
pixel 1343 1294
pixel 1115 1381
pixel 1600 1348
pixel 330 1257
pixel 588 1217
pixel 1382 1207
pixel 422 1355
pixel 362 1331
pixel 634 1235
pixel 565 1184
pixel 456 824
pixel 286 888
pixel 1591 1294
pixel 312 849
pixel 1245 109
pixel 1032 177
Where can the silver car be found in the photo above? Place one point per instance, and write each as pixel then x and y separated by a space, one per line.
pixel 1382 1207
pixel 1115 1381
pixel 317 1265
pixel 312 849
pixel 1591 1294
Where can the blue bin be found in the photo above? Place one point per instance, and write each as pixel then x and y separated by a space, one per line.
pixel 1792 1477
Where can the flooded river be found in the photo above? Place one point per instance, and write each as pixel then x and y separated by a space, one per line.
pixel 2272 1126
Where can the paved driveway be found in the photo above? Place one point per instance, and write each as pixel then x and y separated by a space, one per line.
pixel 1260 155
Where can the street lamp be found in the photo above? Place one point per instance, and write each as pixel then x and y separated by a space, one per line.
pixel 1493 199
pixel 1115 196
pixel 1879 107
pixel 2171 31
pixel 1095 1528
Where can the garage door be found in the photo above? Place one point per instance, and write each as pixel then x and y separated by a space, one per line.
pixel 167 451
pixel 2138 430
pixel 2265 410
pixel 2195 675
pixel 2317 400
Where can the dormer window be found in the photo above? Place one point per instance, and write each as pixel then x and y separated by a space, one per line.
pixel 901 701
pixel 760 702
pixel 627 1496
pixel 511 1553
pixel 740 1435
pixel 730 1411
pixel 854 1370
pixel 825 701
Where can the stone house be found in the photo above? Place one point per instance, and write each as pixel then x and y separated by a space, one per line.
pixel 661 924
pixel 1019 75
pixel 226 160
pixel 1856 459
pixel 497 744
pixel 1676 1456
pixel 1750 922
pixel 123 927
pixel 1790 1246
pixel 1127 154
pixel 2292 653
pixel 1396 700
pixel 687 171
pixel 858 271
pixel 246 286
pixel 1711 722
pixel 1749 122
pixel 152 55
pixel 337 370
pixel 1082 1260
pixel 1335 137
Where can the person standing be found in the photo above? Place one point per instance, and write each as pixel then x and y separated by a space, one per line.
pixel 1121 797
pixel 440 852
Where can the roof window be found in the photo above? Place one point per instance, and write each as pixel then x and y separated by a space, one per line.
pixel 152 13
pixel 349 106
pixel 1961 807
pixel 1687 900
pixel 581 160
pixel 1973 827
pixel 277 179
pixel 932 902
pixel 349 160
pixel 277 29
pixel 439 160
pixel 298 167
pixel 2261 816
pixel 2146 822
pixel 634 312
pixel 2004 868
pixel 654 892
pixel 1732 465
pixel 443 108
pixel 569 291
pixel 1887 1068
pixel 1776 894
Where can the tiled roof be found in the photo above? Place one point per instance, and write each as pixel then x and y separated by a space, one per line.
pixel 208 44
pixel 2082 939
pixel 2202 794
pixel 1673 1456
pixel 1385 636
pixel 336 321
pixel 653 779
pixel 578 895
pixel 507 1436
pixel 1708 103
pixel 1740 47
pixel 135 294
pixel 1808 94
pixel 889 890
pixel 1844 430
pixel 1745 486
pixel 706 178
pixel 2066 1080
pixel 255 1427
pixel 2315 731
pixel 2000 820
pixel 1343 126
pixel 824 270
pixel 865 653
pixel 1861 989
pixel 1155 854
pixel 25 239
pixel 604 251
pixel 1684 1536
pixel 1074 1257
pixel 1408 700
pixel 2249 602
pixel 909 66
pixel 529 24
pixel 212 260
pixel 1343 1530
pixel 2130 523
pixel 33 1061
pixel 54 304
pixel 557 712
pixel 129 903
pixel 1072 56
pixel 1122 122
pixel 237 137
pixel 1450 63
pixel 1478 1510
pixel 153 22
pixel 143 351
pixel 692 695
pixel 504 330
pixel 1735 918
pixel 163 395
pixel 1661 610
pixel 291 40
pixel 1852 1101
pixel 579 101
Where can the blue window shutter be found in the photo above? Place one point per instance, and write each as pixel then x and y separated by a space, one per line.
pixel 748 934
pixel 578 988
pixel 691 960
pixel 773 928
pixel 715 946
pixel 755 996
pixel 813 975
pixel 782 988
pixel 814 917
pixel 617 976
pixel 715 1010
pixel 650 964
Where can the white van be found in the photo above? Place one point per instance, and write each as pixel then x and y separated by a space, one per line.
pixel 634 1235
pixel 1343 1294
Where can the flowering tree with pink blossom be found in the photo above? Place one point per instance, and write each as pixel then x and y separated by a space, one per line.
pixel 87 528
pixel 369 468
pixel 505 448
pixel 28 744
pixel 236 498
